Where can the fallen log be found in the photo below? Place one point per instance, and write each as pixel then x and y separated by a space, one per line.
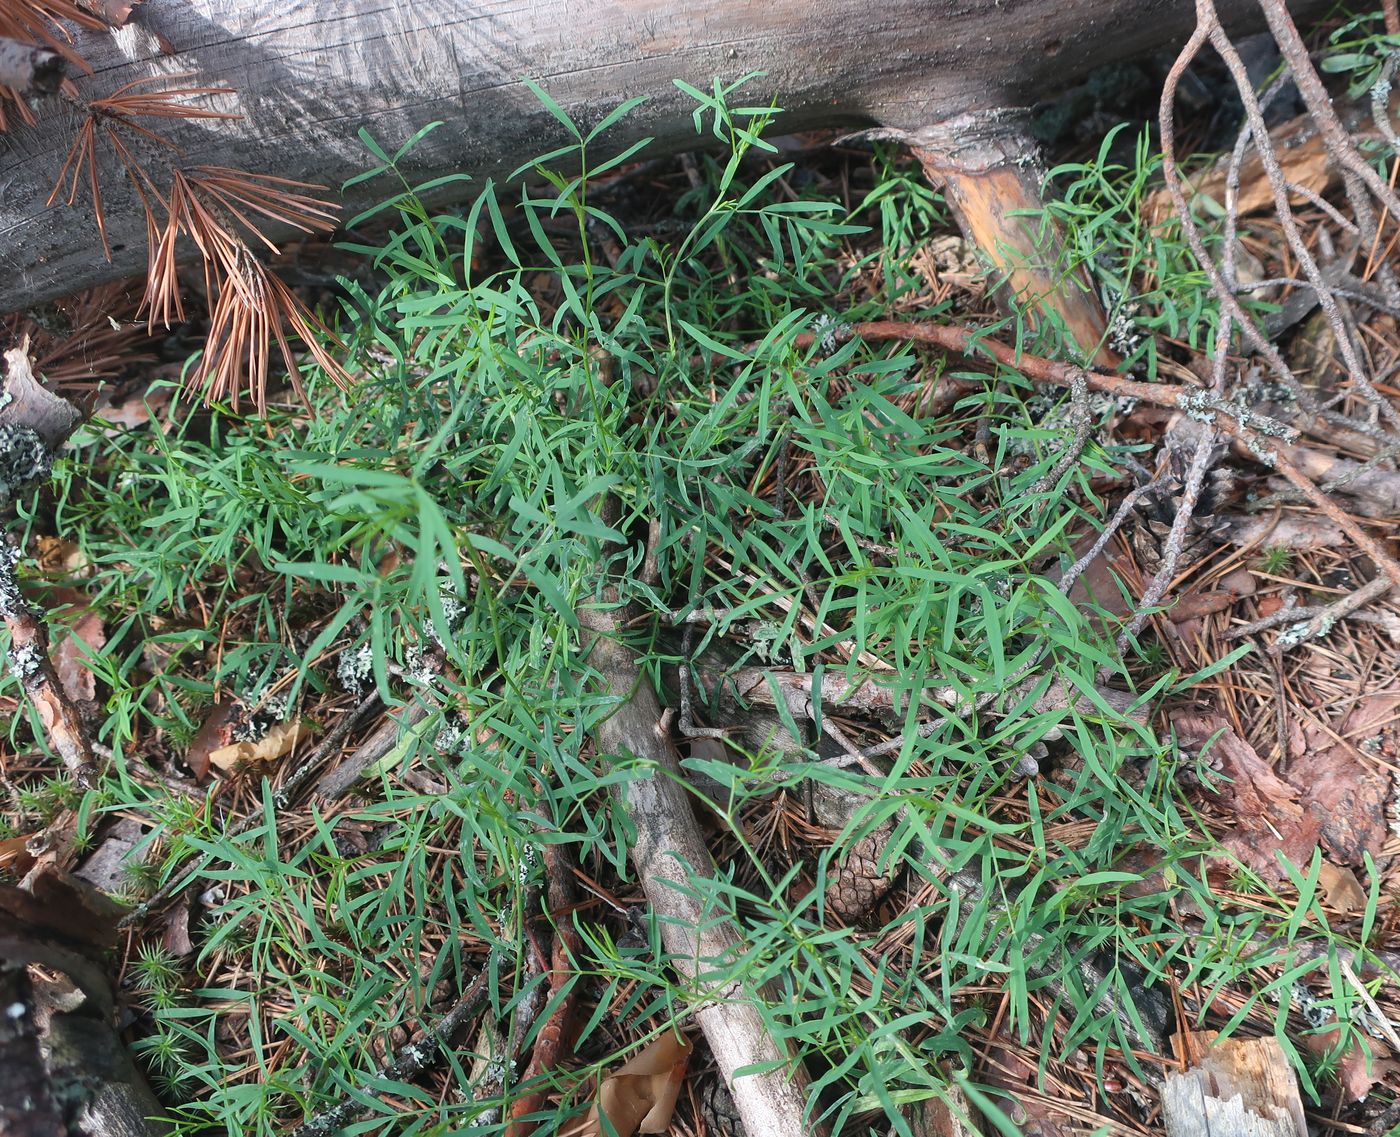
pixel 303 79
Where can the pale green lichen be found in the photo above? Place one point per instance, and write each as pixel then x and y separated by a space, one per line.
pixel 23 459
pixel 355 668
pixel 26 661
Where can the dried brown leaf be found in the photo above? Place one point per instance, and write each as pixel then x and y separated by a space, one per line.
pixel 1341 890
pixel 641 1096
pixel 1269 818
pixel 281 739
pixel 1032 1111
pixel 1356 1073
pixel 215 733
pixel 1194 605
pixel 114 12
pixel 86 637
pixel 176 937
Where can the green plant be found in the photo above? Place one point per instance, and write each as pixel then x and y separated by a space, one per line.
pixel 1361 49
pixel 440 526
pixel 1276 559
pixel 1148 278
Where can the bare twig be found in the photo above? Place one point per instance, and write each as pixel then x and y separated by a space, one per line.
pixel 335 783
pixel 30 662
pixel 1230 305
pixel 687 717
pixel 1319 103
pixel 1080 421
pixel 801 694
pixel 1318 620
pixel 670 853
pixel 292 783
pixel 1076 570
pixel 1176 538
pixel 1255 431
pixel 1288 223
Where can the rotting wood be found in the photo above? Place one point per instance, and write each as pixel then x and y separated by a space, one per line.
pixel 1234 1088
pixel 670 853
pixel 68 1008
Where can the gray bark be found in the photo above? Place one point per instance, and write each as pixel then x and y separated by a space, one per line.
pixel 306 76
pixel 669 855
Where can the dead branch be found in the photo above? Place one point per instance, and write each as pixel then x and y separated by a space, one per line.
pixel 669 855
pixel 30 662
pixel 556 1036
pixel 1259 433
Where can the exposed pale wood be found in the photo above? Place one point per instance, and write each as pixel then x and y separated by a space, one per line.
pixel 306 76
pixel 1234 1088
pixel 991 174
pixel 29 70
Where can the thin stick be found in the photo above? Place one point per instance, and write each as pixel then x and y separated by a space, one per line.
pixel 1255 431
pixel 30 662
pixel 1317 620
pixel 1176 539
pixel 1080 422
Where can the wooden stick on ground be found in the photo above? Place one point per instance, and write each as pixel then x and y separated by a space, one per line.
pixel 29 659
pixel 670 853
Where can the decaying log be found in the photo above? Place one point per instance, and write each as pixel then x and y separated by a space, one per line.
pixel 64 1071
pixel 1235 1088
pixel 305 77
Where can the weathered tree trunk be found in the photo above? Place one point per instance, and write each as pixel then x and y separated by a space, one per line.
pixel 64 1071
pixel 306 76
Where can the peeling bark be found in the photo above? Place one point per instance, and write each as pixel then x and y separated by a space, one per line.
pixel 991 173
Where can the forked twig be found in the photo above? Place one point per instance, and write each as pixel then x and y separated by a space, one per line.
pixel 1255 431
